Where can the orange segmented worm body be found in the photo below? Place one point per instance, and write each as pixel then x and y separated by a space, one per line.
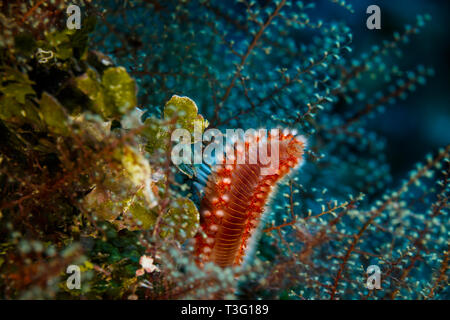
pixel 235 197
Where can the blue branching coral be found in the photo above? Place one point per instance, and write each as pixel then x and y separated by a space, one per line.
pixel 86 176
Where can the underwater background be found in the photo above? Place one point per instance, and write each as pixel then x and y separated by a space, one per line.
pixel 86 177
